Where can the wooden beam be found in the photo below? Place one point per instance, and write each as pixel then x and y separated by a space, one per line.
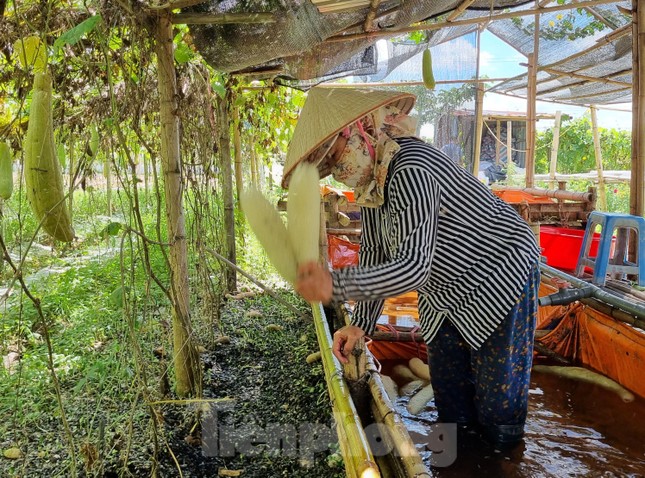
pixel 507 117
pixel 479 121
pixel 608 80
pixel 185 358
pixel 457 12
pixel 602 193
pixel 531 103
pixel 554 150
pixel 221 18
pixel 600 18
pixel 591 96
pixel 173 4
pixel 637 193
pixel 509 142
pixel 472 21
pixel 404 83
pixel 498 142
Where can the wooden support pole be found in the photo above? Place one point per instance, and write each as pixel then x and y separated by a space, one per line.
pixel 554 193
pixel 221 18
pixel 227 191
pixel 237 150
pixel 602 192
pixel 186 361
pixel 637 192
pixel 554 150
pixel 479 114
pixel 498 143
pixel 509 142
pixel 457 12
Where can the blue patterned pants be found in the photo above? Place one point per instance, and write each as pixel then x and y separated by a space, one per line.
pixel 488 386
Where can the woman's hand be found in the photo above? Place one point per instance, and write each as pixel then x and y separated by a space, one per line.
pixel 344 341
pixel 314 282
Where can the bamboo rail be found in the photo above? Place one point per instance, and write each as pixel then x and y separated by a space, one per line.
pixel 221 18
pixel 553 193
pixel 354 446
pixel 397 438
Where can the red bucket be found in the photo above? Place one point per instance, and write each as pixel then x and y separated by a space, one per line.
pixel 561 246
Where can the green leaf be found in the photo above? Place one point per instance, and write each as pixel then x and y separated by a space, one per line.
pixel 72 36
pixel 111 229
pixel 31 52
pixel 183 53
pixel 219 88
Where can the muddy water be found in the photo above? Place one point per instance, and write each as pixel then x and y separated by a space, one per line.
pixel 574 429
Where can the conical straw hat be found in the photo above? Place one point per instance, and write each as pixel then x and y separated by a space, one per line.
pixel 328 110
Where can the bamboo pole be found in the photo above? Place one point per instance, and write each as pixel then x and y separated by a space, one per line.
pixel 72 175
pixel 479 126
pixel 457 12
pixel 599 44
pixel 354 446
pixel 172 4
pixel 606 80
pixel 509 142
pixel 404 452
pixel 602 193
pixel 479 112
pixel 186 361
pixel 237 150
pixel 227 192
pixel 554 150
pixel 498 143
pixel 107 173
pixel 531 104
pixel 530 126
pixel 637 193
pixel 221 18
pixel 262 286
pixel 371 84
pixel 553 193
pixel 254 164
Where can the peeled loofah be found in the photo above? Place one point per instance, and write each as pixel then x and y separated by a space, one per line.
pixel 303 212
pixel 267 225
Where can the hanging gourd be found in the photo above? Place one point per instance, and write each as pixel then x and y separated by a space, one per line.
pixel 6 171
pixel 43 174
pixel 428 76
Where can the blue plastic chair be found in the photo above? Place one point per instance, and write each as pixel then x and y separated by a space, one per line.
pixel 604 263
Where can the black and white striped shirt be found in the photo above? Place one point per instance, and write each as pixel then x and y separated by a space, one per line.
pixel 442 233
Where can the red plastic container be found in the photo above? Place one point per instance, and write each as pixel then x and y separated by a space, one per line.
pixel 561 246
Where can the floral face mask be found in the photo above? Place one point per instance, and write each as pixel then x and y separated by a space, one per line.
pixel 364 162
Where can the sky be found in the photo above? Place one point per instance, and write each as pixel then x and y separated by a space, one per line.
pixel 498 60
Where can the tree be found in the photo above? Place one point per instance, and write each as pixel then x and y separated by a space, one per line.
pixel 576 149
